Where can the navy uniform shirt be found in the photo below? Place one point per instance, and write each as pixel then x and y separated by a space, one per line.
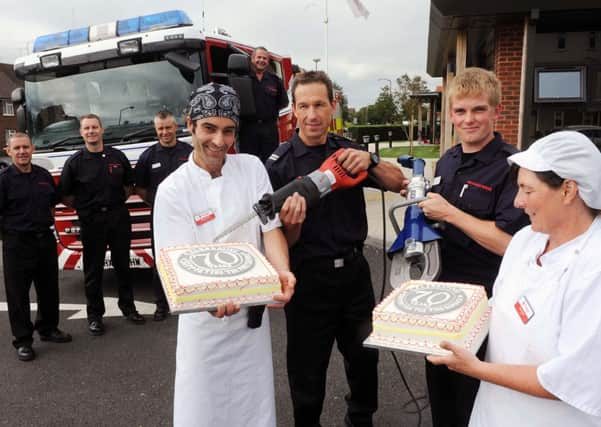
pixel 27 199
pixel 97 180
pixel 481 186
pixel 338 224
pixel 270 96
pixel 156 163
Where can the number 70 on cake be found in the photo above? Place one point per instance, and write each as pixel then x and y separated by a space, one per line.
pixel 204 276
pixel 419 314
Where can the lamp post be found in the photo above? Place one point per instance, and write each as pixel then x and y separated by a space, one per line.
pixel 316 60
pixel 131 107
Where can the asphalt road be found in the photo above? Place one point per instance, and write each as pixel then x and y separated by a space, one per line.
pixel 125 378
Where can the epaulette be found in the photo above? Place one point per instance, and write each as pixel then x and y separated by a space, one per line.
pixel 279 152
pixel 509 149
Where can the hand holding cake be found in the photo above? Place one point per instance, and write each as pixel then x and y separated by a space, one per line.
pixel 288 281
pixel 460 360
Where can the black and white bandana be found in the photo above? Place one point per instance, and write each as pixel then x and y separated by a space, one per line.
pixel 214 100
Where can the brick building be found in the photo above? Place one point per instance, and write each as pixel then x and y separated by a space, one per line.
pixel 547 54
pixel 8 121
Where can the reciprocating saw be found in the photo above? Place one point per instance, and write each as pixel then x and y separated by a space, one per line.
pixel 329 177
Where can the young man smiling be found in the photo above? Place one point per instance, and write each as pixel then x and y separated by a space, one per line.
pixel 474 201
pixel 224 374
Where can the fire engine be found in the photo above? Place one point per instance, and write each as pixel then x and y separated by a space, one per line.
pixel 124 71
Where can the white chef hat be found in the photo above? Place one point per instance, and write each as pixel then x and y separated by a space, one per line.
pixel 569 154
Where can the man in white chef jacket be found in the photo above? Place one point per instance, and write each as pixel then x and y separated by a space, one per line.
pixel 224 373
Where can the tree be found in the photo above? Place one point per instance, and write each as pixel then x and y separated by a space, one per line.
pixel 385 110
pixel 408 85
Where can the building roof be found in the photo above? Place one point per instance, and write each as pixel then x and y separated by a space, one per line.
pixel 8 80
pixel 478 18
pixel 479 7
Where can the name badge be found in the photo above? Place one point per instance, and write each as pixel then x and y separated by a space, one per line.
pixel 156 165
pixel 204 217
pixel 524 309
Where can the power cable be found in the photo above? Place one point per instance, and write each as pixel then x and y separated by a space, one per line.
pixel 414 400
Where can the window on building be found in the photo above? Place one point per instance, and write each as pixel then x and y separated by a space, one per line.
pixel 7 108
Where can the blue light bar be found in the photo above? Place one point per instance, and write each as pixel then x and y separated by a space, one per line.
pixel 128 26
pixel 51 41
pixel 156 21
pixel 172 18
pixel 78 35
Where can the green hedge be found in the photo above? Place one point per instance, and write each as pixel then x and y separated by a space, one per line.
pixel 357 132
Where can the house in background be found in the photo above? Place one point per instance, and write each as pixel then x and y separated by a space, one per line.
pixel 8 121
pixel 547 54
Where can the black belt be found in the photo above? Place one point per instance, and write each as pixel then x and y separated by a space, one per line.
pixel 338 261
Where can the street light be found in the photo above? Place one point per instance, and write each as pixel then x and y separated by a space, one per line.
pixel 316 60
pixel 131 107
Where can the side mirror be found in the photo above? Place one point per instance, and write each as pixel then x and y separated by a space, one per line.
pixel 21 116
pixel 18 96
pixel 181 62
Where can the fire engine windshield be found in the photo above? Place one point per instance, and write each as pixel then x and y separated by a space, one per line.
pixel 125 98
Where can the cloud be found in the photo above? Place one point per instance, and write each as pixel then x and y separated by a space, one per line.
pixel 391 42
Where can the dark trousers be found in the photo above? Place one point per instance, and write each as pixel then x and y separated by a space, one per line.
pixel 451 394
pixel 159 294
pixel 98 230
pixel 331 304
pixel 30 257
pixel 259 138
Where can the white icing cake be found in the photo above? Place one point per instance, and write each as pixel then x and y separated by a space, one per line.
pixel 418 315
pixel 204 276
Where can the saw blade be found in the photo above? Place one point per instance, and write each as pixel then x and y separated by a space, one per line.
pixel 235 226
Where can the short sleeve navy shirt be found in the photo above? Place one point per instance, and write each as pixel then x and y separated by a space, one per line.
pixel 27 199
pixel 97 180
pixel 482 187
pixel 270 96
pixel 156 163
pixel 338 224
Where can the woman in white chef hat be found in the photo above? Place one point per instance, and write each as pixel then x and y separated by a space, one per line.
pixel 543 364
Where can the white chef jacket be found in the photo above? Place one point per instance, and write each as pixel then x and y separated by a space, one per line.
pixel 224 373
pixel 562 338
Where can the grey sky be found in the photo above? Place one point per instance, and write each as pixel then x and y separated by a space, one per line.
pixel 391 42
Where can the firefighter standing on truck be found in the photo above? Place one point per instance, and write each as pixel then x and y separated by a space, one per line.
pixel 96 181
pixel 27 198
pixel 259 135
pixel 334 296
pixel 154 165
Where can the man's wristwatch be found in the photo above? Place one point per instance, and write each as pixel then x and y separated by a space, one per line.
pixel 374 160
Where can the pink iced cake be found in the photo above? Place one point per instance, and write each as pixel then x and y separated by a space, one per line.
pixel 418 315
pixel 202 277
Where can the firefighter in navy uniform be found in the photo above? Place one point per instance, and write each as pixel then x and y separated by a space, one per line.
pixel 259 135
pixel 96 181
pixel 154 165
pixel 334 297
pixel 27 199
pixel 475 202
